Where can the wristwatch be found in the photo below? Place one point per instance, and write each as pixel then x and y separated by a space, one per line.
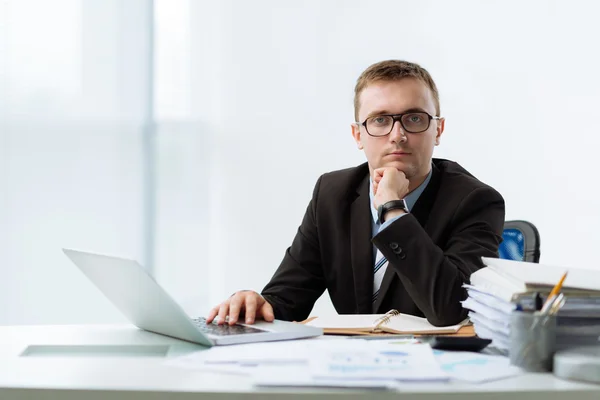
pixel 390 205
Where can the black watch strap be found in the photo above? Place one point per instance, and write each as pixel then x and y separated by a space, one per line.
pixel 388 206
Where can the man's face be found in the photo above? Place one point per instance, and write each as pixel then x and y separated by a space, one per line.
pixel 408 152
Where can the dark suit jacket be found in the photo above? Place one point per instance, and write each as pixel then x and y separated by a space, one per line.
pixel 432 251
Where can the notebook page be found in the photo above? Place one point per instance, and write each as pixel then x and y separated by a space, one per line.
pixel 405 323
pixel 346 321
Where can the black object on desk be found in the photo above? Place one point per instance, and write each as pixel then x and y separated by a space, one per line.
pixel 461 343
pixel 537 300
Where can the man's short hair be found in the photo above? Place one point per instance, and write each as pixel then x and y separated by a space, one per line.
pixel 394 70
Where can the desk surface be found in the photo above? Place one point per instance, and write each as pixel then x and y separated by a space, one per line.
pixel 78 377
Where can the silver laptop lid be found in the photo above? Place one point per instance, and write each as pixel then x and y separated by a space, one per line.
pixel 139 297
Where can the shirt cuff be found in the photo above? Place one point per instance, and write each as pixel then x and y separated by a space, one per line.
pixel 389 222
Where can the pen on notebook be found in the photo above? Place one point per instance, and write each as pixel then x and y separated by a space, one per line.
pixel 557 288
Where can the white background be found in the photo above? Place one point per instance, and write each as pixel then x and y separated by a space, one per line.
pixel 253 101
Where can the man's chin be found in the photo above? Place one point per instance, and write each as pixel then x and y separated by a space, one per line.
pixel 399 165
pixel 409 170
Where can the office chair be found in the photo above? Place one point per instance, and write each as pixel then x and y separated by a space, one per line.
pixel 521 242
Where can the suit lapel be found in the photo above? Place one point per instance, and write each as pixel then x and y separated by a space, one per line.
pixel 361 248
pixel 420 211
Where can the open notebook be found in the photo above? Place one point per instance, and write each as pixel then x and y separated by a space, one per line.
pixel 390 322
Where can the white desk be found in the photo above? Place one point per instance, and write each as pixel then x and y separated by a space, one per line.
pixel 148 378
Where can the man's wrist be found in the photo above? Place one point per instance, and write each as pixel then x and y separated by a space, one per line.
pixel 393 214
pixel 390 198
pixel 390 209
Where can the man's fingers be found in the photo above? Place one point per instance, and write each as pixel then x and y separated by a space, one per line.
pixel 247 303
pixel 377 175
pixel 250 309
pixel 235 306
pixel 212 314
pixel 223 311
pixel 267 312
pixel 381 171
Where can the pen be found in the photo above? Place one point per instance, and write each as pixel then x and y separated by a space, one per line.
pixel 554 292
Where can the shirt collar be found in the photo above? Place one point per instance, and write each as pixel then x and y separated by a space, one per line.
pixel 410 198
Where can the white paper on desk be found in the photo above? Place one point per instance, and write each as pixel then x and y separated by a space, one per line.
pixel 474 367
pixel 265 353
pixel 244 358
pixel 228 369
pixel 297 376
pixel 378 361
pixel 321 361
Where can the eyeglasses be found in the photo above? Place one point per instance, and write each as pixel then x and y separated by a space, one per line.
pixel 413 122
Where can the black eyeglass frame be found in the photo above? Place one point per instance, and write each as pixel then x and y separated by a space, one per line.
pixel 398 117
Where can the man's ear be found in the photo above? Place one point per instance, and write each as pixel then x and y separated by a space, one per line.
pixel 441 123
pixel 356 135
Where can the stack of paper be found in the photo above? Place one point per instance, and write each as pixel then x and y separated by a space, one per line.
pixel 504 286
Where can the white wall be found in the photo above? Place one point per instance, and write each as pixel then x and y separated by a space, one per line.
pixel 255 102
pixel 74 85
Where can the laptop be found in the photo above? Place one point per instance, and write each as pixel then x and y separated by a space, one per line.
pixel 148 306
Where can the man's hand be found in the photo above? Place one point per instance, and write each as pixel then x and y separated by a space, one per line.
pixel 247 303
pixel 388 184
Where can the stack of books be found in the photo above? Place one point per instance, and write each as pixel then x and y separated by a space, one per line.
pixel 505 286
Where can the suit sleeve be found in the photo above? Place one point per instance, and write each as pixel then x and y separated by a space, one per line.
pixel 299 281
pixel 434 276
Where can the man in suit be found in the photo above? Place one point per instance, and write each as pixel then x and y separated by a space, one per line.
pixel 403 231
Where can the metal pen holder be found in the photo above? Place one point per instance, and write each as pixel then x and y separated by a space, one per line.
pixel 532 340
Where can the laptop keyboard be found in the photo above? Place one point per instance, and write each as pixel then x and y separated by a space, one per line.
pixel 225 329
